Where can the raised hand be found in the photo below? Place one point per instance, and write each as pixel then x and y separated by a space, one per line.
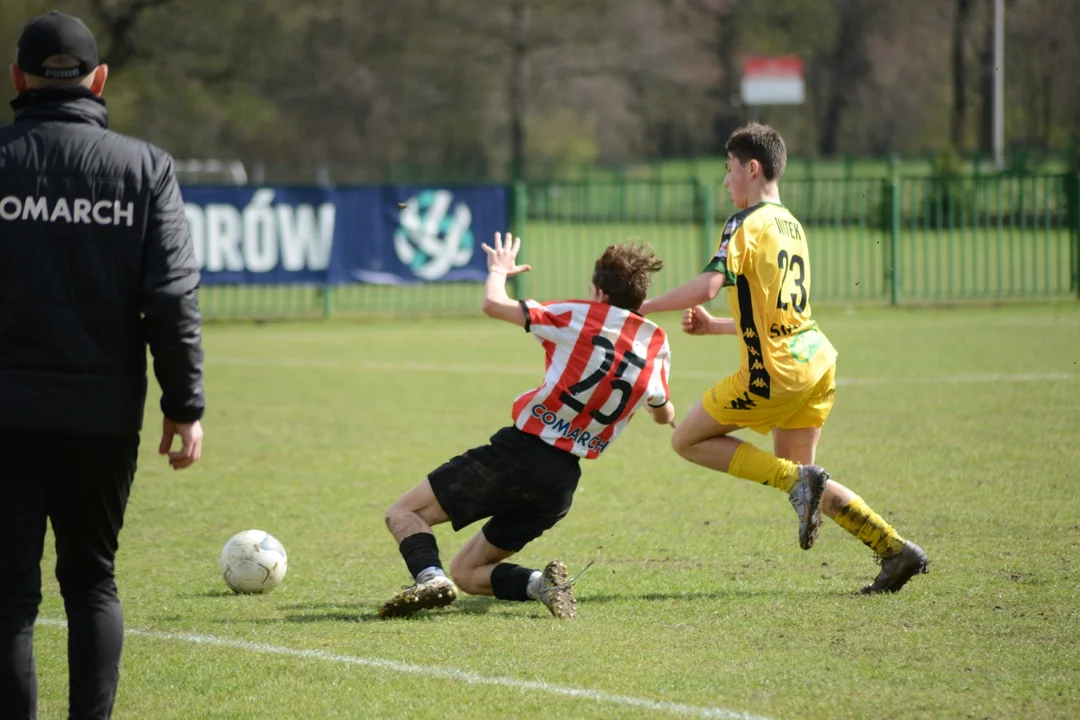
pixel 503 257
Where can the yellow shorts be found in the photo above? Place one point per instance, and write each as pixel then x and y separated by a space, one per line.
pixel 729 402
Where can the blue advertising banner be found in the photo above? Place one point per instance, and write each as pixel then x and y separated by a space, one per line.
pixel 384 235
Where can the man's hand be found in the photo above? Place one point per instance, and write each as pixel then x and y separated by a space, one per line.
pixel 663 415
pixel 697 321
pixel 503 258
pixel 191 437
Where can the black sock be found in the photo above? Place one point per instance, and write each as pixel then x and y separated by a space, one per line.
pixel 420 552
pixel 511 582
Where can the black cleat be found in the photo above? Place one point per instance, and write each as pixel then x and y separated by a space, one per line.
pixel 897 569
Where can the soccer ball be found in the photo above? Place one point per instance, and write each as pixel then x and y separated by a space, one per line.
pixel 253 562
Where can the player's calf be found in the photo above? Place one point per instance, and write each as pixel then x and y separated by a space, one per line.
pixel 432 588
pixel 900 560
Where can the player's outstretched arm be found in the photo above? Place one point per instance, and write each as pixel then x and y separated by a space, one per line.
pixel 698 321
pixel 502 264
pixel 700 290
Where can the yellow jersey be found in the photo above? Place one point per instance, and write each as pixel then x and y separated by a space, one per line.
pixel 765 258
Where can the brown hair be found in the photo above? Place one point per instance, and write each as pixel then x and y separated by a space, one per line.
pixel 624 273
pixel 761 143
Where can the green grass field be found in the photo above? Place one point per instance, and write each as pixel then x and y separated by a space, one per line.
pixel 962 427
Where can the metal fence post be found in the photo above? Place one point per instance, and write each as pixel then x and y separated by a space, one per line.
pixel 327 298
pixel 1074 212
pixel 707 198
pixel 894 240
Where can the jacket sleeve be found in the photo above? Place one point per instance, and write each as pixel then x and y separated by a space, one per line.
pixel 169 304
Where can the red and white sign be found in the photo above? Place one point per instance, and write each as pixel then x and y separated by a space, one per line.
pixel 773 80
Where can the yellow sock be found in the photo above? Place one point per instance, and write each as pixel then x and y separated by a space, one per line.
pixel 750 463
pixel 858 519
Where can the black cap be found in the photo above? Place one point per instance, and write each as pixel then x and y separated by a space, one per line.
pixel 57 34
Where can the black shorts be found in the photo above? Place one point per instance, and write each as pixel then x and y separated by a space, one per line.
pixel 519 481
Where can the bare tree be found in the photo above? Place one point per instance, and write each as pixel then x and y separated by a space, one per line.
pixel 958 119
pixel 373 87
pixel 848 65
pixel 717 27
pixel 520 12
pixel 120 18
pixel 541 50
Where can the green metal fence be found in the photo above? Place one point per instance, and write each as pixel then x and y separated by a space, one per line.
pixel 899 240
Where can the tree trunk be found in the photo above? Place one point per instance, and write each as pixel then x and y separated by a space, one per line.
pixel 119 20
pixel 848 65
pixel 519 50
pixel 728 115
pixel 986 83
pixel 958 121
pixel 1047 71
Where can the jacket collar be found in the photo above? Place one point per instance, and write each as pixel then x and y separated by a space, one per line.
pixel 65 104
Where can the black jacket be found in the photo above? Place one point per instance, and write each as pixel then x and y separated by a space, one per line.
pixel 96 263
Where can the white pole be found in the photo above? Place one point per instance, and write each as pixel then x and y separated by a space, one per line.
pixel 999 84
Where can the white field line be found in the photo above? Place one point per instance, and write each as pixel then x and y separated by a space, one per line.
pixel 470 678
pixel 420 367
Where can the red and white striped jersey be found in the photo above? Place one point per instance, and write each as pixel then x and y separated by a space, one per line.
pixel 602 364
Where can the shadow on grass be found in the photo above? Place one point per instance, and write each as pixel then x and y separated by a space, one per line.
pixel 208 594
pixel 367 612
pixel 480 605
pixel 363 612
pixel 732 594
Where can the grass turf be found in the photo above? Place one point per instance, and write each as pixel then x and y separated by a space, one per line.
pixel 701 595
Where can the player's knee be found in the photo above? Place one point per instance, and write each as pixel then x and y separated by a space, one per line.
pixel 396 515
pixel 462 573
pixel 680 443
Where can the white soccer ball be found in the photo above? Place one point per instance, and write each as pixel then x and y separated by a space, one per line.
pixel 253 562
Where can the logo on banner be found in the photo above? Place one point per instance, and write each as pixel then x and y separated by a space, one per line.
pixel 434 234
pixel 261 236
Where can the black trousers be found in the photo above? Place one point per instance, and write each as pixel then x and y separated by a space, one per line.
pixel 81 485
